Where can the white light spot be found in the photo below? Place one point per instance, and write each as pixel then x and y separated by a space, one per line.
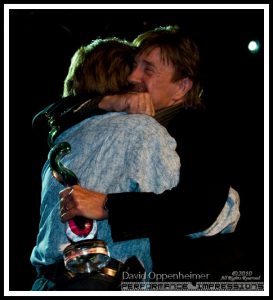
pixel 254 46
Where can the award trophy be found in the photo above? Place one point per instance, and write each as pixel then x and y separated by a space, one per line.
pixel 85 254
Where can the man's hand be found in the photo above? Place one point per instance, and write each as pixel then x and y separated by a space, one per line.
pixel 133 103
pixel 78 201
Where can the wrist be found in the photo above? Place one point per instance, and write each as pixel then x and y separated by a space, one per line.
pixel 105 203
pixel 114 102
pixel 106 103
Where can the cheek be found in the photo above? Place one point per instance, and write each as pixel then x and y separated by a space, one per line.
pixel 154 90
pixel 159 92
pixel 153 85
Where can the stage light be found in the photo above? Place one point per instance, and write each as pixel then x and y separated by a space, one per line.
pixel 254 46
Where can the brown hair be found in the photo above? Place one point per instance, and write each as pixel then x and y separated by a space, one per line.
pixel 101 67
pixel 179 50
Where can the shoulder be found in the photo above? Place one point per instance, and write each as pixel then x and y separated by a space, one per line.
pixel 91 124
pixel 188 123
pixel 144 127
pixel 139 122
pixel 198 121
pixel 119 128
pixel 132 123
pixel 138 129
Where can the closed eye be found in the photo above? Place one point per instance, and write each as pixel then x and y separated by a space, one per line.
pixel 148 70
pixel 149 67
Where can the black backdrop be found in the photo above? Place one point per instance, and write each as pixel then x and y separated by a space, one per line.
pixel 41 45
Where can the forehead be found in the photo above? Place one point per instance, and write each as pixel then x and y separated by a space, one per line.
pixel 154 55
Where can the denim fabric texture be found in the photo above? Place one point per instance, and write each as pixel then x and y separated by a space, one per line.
pixel 110 153
pixel 113 153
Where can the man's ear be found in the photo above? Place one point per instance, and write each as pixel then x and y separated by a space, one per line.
pixel 183 86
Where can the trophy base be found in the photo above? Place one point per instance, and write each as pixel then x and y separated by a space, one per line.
pixel 86 256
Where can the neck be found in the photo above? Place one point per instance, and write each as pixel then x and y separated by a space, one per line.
pixel 165 115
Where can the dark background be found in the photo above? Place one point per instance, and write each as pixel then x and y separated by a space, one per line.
pixel 41 45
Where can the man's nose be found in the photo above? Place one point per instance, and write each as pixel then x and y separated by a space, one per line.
pixel 135 76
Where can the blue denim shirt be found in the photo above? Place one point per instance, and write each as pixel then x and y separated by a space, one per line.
pixel 110 153
pixel 114 153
